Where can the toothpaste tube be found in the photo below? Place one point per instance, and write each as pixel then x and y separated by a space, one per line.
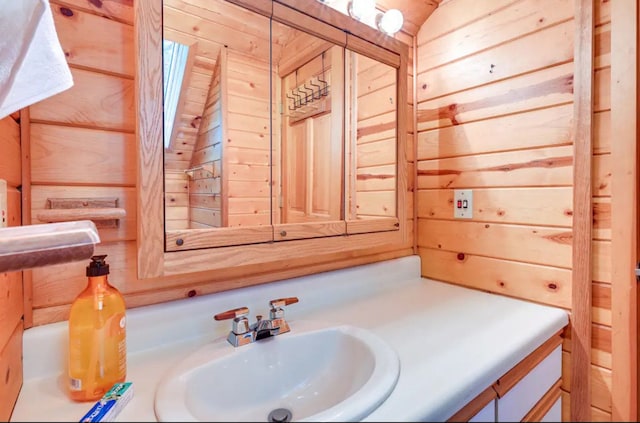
pixel 110 405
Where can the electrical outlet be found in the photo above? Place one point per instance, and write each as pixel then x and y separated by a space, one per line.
pixel 4 216
pixel 463 203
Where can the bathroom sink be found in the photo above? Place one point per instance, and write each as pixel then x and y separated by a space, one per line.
pixel 315 372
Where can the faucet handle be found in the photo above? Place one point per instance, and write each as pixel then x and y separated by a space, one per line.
pixel 240 333
pixel 281 302
pixel 232 314
pixel 239 316
pixel 276 311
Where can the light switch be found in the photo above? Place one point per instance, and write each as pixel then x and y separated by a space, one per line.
pixel 463 203
pixel 4 217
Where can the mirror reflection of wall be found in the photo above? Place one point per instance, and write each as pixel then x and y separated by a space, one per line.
pixel 308 77
pixel 371 138
pixel 217 153
pixel 266 124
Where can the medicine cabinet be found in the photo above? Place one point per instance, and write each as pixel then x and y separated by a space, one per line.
pixel 268 131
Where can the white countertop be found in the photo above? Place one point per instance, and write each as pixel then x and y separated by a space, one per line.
pixel 452 342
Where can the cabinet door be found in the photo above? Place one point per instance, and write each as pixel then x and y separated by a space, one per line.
pixel 519 400
pixel 555 412
pixel 487 414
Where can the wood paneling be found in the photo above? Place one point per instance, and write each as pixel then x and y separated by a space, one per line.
pixel 624 209
pixel 11 369
pixel 96 100
pixel 11 290
pixel 88 41
pixel 67 155
pixel 10 157
pixel 503 127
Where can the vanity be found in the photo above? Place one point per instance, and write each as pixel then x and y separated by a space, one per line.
pixel 463 354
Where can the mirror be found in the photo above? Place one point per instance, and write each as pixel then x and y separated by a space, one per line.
pixel 272 130
pixel 367 226
pixel 308 132
pixel 216 58
pixel 371 110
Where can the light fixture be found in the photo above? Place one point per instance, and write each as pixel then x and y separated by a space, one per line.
pixel 390 21
pixel 360 9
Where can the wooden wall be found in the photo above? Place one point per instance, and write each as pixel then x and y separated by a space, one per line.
pixel 205 185
pixel 375 155
pixel 246 150
pixel 11 293
pixel 83 145
pixel 495 109
pixel 176 199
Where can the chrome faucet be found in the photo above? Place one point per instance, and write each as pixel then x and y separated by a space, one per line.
pixel 243 333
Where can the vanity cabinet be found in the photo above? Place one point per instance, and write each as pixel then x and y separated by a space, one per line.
pixel 529 392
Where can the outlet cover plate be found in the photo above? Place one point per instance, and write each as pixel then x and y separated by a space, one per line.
pixel 463 203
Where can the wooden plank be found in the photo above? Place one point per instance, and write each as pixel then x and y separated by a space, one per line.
pixel 289 231
pixel 601 218
pixel 600 384
pixel 117 10
pixel 624 213
pixel 601 302
pixel 550 166
pixel 537 128
pixel 11 369
pixel 542 284
pixel 453 15
pixel 10 146
pixel 544 88
pixel 550 206
pixel 601 175
pixel 582 214
pixel 65 155
pixel 495 29
pixel 602 132
pixel 602 86
pixel 218 237
pixel 25 205
pixel 601 261
pixel 96 100
pixel 94 42
pixel 597 415
pixel 552 246
pixel 497 63
pixel 11 304
pixel 241 36
pixel 148 47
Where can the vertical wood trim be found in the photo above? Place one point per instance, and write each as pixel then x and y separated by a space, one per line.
pixel 148 83
pixel 224 125
pixel 582 213
pixel 415 143
pixel 401 136
pixel 25 204
pixel 623 210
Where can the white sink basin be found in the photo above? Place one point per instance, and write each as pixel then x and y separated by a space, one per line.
pixel 316 372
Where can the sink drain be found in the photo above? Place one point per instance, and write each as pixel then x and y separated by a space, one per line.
pixel 279 415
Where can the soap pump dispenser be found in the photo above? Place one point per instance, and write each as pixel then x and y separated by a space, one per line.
pixel 97 336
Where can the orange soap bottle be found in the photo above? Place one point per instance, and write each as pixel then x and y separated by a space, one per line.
pixel 97 336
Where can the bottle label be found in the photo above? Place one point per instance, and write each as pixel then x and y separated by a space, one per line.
pixel 75 384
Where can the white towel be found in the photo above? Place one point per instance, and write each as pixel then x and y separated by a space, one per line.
pixel 32 63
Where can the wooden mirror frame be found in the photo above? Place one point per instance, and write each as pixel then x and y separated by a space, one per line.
pixel 367 238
